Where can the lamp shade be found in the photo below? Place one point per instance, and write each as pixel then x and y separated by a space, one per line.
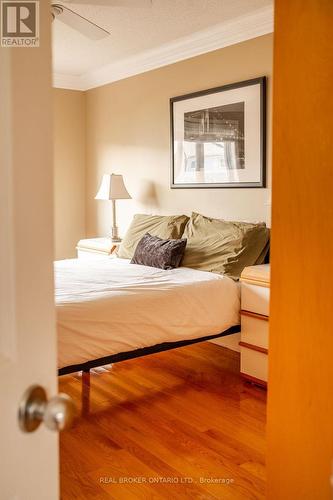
pixel 112 188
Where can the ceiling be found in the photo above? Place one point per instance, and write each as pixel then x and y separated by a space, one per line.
pixel 153 33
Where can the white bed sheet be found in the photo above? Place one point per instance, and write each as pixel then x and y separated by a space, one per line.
pixel 107 306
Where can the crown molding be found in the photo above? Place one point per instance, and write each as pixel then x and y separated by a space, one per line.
pixel 69 82
pixel 258 23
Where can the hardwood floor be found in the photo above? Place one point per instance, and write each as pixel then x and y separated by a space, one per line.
pixel 180 424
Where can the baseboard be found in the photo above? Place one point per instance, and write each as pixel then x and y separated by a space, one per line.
pixel 254 380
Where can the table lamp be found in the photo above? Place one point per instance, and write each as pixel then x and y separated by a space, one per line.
pixel 113 188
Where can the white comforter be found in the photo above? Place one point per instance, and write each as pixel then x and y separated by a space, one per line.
pixel 107 306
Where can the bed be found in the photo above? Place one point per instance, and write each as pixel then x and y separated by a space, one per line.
pixel 109 310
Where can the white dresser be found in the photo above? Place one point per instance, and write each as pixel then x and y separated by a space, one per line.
pixel 95 247
pixel 255 288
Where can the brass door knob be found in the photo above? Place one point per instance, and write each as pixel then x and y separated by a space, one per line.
pixel 57 413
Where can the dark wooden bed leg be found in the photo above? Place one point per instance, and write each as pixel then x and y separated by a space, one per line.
pixel 85 392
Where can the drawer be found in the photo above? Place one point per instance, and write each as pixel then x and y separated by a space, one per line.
pixel 254 364
pixel 255 298
pixel 254 331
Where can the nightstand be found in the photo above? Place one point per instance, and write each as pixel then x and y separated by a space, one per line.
pixel 255 289
pixel 96 247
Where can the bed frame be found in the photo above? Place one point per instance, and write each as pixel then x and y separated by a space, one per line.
pixel 123 356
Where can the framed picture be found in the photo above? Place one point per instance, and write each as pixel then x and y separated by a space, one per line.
pixel 218 137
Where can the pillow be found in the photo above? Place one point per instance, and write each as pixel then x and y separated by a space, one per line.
pixel 222 246
pixel 264 256
pixel 155 252
pixel 163 226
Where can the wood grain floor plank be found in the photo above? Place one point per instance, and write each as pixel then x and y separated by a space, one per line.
pixel 183 421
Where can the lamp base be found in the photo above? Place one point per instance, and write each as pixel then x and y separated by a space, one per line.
pixel 115 240
pixel 114 235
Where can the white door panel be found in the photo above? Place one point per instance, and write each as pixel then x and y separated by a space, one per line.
pixel 28 462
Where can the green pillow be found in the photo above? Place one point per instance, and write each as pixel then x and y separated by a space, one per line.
pixel 223 247
pixel 163 226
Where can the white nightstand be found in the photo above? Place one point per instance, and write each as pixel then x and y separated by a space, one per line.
pixel 96 247
pixel 255 288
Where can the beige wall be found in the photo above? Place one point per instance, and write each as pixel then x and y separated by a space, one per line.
pixel 128 133
pixel 69 171
pixel 124 128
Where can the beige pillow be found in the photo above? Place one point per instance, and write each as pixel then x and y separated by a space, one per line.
pixel 264 256
pixel 222 246
pixel 163 226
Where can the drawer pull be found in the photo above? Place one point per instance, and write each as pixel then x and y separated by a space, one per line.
pixel 253 347
pixel 254 315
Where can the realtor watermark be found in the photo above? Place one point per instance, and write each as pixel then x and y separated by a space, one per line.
pixel 19 22
pixel 165 480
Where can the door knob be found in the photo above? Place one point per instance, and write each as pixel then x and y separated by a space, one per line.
pixel 57 413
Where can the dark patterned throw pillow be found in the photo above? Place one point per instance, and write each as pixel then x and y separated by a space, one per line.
pixel 155 252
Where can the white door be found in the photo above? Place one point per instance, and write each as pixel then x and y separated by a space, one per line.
pixel 28 461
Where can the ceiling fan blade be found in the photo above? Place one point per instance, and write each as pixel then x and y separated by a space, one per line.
pixel 79 23
pixel 114 3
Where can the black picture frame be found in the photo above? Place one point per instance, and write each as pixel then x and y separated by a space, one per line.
pixel 262 82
